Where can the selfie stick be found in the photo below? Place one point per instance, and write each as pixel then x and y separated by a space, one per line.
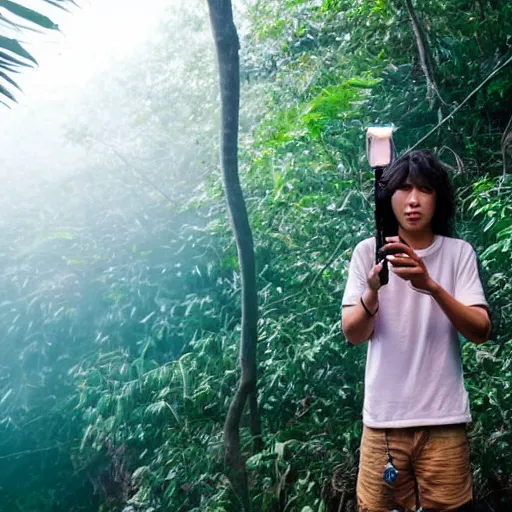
pixel 381 152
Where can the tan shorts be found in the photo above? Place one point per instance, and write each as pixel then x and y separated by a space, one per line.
pixel 433 460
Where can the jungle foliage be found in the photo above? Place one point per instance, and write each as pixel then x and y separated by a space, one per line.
pixel 120 298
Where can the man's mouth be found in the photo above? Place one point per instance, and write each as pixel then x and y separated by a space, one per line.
pixel 413 216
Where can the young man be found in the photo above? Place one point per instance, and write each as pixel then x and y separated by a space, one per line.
pixel 415 405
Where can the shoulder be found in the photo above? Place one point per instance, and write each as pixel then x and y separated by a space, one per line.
pixel 365 247
pixel 363 254
pixel 368 244
pixel 461 253
pixel 457 246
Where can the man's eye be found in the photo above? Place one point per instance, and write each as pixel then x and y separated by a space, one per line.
pixel 427 190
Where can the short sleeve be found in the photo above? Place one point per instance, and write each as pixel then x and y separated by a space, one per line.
pixel 360 266
pixel 468 287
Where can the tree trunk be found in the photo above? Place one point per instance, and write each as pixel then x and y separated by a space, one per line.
pixel 227 45
pixel 425 54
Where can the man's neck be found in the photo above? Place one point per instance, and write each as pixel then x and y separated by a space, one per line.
pixel 419 240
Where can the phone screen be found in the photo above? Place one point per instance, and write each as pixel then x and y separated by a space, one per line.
pixel 379 145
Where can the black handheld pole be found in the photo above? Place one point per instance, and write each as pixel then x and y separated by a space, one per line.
pixel 380 234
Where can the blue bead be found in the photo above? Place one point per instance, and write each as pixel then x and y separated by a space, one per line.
pixel 390 474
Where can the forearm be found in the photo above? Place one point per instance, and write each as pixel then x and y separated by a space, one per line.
pixel 472 322
pixel 357 325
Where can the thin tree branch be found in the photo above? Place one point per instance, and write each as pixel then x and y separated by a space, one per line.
pixel 494 73
pixel 135 169
pixel 425 54
pixel 39 450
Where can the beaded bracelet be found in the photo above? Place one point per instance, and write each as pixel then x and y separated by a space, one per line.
pixel 368 312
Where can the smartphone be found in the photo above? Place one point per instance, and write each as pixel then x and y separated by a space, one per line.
pixel 383 253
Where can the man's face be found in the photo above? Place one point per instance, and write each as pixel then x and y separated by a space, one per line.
pixel 414 206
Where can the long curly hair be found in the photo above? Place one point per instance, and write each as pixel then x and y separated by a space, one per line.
pixel 422 168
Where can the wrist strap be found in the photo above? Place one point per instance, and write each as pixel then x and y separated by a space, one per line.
pixel 368 312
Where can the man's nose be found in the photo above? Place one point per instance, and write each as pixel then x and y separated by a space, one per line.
pixel 413 196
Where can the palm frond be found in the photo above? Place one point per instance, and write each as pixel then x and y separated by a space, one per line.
pixel 13 55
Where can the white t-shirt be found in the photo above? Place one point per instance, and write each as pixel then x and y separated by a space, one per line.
pixel 413 369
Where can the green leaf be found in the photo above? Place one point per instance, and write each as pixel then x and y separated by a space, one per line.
pixel 86 437
pixel 3 19
pixel 8 68
pixel 15 47
pixel 58 3
pixel 146 318
pixel 10 80
pixel 18 26
pixel 28 14
pixel 6 396
pixel 139 474
pixel 362 83
pixel 7 58
pixel 6 92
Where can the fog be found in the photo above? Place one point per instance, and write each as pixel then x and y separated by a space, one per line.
pixel 103 164
pixel 114 131
pixel 124 98
pixel 92 39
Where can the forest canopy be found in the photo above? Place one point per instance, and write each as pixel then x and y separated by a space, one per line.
pixel 119 279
